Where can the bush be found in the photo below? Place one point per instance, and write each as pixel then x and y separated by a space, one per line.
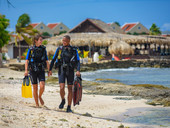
pixel 45 42
pixel 100 57
pixel 23 57
pixel 24 54
pixel 3 56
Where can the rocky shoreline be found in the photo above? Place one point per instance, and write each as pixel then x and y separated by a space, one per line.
pixel 155 94
pixel 106 64
pixel 165 63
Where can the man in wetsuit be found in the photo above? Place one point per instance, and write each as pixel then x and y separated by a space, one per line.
pixel 66 58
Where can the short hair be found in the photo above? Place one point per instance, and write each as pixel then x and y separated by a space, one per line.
pixel 37 37
pixel 67 36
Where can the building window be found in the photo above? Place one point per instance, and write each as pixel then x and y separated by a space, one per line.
pixel 61 28
pixel 41 27
pixel 139 27
pixel 113 27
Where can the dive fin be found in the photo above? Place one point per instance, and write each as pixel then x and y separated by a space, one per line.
pixel 26 88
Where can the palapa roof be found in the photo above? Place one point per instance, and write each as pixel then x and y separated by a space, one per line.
pixel 106 39
pixel 117 43
pixel 85 39
pixel 92 24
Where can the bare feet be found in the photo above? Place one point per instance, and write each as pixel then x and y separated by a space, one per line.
pixel 37 106
pixel 41 101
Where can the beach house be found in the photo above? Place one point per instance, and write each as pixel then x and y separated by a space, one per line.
pixel 116 28
pixel 135 29
pixel 13 50
pixel 41 27
pixel 91 26
pixel 58 28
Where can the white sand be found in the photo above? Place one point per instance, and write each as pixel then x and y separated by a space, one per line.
pixel 18 112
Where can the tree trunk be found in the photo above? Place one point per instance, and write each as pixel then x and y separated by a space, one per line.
pixel 19 51
pixel 0 57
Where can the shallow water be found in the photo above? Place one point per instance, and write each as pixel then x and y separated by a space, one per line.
pixel 129 76
pixel 146 116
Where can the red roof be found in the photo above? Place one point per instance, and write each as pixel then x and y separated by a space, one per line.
pixel 109 24
pixel 127 27
pixel 33 25
pixel 51 26
pixel 13 35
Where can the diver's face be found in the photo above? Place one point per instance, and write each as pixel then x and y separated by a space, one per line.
pixel 66 41
pixel 39 42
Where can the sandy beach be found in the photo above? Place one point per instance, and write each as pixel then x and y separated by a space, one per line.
pixel 18 112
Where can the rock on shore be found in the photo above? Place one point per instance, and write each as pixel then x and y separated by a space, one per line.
pixel 156 94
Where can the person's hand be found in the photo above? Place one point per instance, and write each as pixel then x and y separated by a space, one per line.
pixel 26 73
pixel 50 73
pixel 77 73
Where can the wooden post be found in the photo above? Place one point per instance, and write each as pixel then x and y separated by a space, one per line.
pixel 89 50
pixel 0 57
pixel 19 51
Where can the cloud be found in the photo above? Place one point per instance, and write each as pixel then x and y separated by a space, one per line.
pixel 165 27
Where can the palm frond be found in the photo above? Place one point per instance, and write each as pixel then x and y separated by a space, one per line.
pixel 27 39
pixel 16 43
pixel 29 27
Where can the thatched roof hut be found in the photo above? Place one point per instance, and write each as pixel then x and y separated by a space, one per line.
pixel 86 39
pixel 51 49
pixel 107 39
pixel 4 49
pixel 121 48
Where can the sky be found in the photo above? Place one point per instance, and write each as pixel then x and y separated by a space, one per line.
pixel 73 12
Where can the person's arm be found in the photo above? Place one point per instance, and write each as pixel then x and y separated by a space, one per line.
pixel 78 65
pixel 52 61
pixel 26 63
pixel 47 61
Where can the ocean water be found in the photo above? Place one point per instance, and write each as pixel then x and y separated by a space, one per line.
pixel 147 117
pixel 130 76
pixel 154 116
pixel 159 117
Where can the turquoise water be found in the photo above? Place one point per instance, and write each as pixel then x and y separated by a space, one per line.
pixel 129 76
pixel 147 117
pixel 152 116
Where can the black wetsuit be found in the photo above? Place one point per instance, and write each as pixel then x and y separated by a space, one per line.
pixel 63 57
pixel 38 61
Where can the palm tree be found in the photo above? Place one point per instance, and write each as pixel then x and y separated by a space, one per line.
pixel 4 34
pixel 117 23
pixel 154 30
pixel 22 29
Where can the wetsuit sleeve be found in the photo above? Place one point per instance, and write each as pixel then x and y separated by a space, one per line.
pixel 46 54
pixel 78 61
pixel 54 59
pixel 28 54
